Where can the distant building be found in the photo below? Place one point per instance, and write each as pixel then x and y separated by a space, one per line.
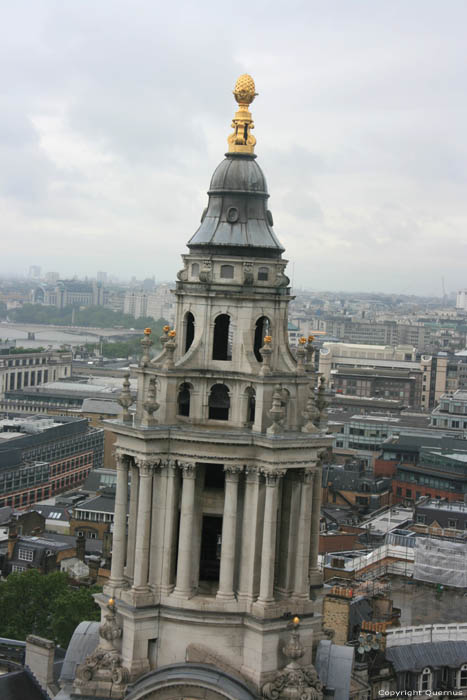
pixel 70 293
pixel 461 300
pixel 451 413
pixel 157 304
pixel 40 457
pixel 34 272
pixel 35 553
pixel 30 369
pixel 385 372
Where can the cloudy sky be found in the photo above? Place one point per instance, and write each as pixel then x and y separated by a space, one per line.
pixel 114 114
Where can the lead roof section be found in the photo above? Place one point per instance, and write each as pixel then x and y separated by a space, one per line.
pixel 237 217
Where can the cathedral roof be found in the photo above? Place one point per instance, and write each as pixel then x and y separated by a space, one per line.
pixel 237 216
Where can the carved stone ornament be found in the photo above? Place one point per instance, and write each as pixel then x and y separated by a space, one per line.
pixel 150 405
pixel 206 272
pixel 104 665
pixel 248 274
pixel 125 399
pixel 277 412
pixel 294 682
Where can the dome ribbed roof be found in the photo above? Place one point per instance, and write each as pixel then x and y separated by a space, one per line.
pixel 237 215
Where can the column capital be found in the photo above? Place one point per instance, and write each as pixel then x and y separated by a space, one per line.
pixel 188 469
pixel 273 476
pixel 252 474
pixel 232 472
pixel 147 466
pixel 121 460
pixel 308 476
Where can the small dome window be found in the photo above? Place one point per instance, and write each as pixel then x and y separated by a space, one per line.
pixel 227 272
pixel 263 274
pixel 219 402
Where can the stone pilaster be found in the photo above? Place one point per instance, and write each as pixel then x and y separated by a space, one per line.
pixel 247 590
pixel 229 531
pixel 143 525
pixel 130 553
pixel 316 576
pixel 170 473
pixel 119 530
pixel 184 587
pixel 268 550
pixel 302 558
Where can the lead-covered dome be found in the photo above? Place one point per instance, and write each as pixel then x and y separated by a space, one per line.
pixel 237 215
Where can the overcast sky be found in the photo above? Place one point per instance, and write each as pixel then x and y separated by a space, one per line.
pixel 114 114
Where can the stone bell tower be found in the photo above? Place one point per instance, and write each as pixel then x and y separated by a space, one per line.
pixel 223 456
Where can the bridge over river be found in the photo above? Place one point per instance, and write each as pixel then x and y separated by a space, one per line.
pixel 60 335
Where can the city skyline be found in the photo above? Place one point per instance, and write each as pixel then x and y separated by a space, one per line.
pixel 114 123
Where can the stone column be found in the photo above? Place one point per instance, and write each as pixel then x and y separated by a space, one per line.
pixel 248 556
pixel 316 577
pixel 170 526
pixel 302 559
pixel 143 526
pixel 268 550
pixel 229 532
pixel 130 553
pixel 119 529
pixel 184 587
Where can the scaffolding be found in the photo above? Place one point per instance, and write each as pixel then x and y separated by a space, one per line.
pixel 441 561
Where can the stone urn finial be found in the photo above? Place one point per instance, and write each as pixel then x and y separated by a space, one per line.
pixel 125 399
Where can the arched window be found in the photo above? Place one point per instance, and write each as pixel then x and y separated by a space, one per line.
pixel 425 679
pixel 219 402
pixel 251 404
pixel 462 680
pixel 222 345
pixel 183 400
pixel 189 330
pixel 194 270
pixel 261 330
pixel 227 272
pixel 263 274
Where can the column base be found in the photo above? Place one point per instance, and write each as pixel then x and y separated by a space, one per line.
pixel 265 608
pixel 226 597
pixel 180 593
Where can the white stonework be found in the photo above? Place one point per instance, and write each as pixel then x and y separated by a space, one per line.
pixel 222 540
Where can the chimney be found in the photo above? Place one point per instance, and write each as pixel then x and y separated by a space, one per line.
pixel 40 659
pixel 12 539
pixel 80 546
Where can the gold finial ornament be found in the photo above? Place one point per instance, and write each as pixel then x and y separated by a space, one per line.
pixel 242 141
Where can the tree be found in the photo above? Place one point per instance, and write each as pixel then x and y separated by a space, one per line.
pixel 34 603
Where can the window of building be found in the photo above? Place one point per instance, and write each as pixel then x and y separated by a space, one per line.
pixel 227 271
pixel 26 554
pixel 189 330
pixel 462 676
pixel 452 523
pixel 262 329
pixel 183 402
pixel 398 491
pixel 421 519
pixel 222 344
pixel 251 404
pixel 263 274
pixel 425 679
pixel 408 493
pixel 219 402
pixel 16 569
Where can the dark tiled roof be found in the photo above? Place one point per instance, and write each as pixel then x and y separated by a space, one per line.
pixel 416 657
pixel 19 685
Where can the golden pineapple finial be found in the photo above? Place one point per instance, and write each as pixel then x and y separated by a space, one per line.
pixel 242 140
